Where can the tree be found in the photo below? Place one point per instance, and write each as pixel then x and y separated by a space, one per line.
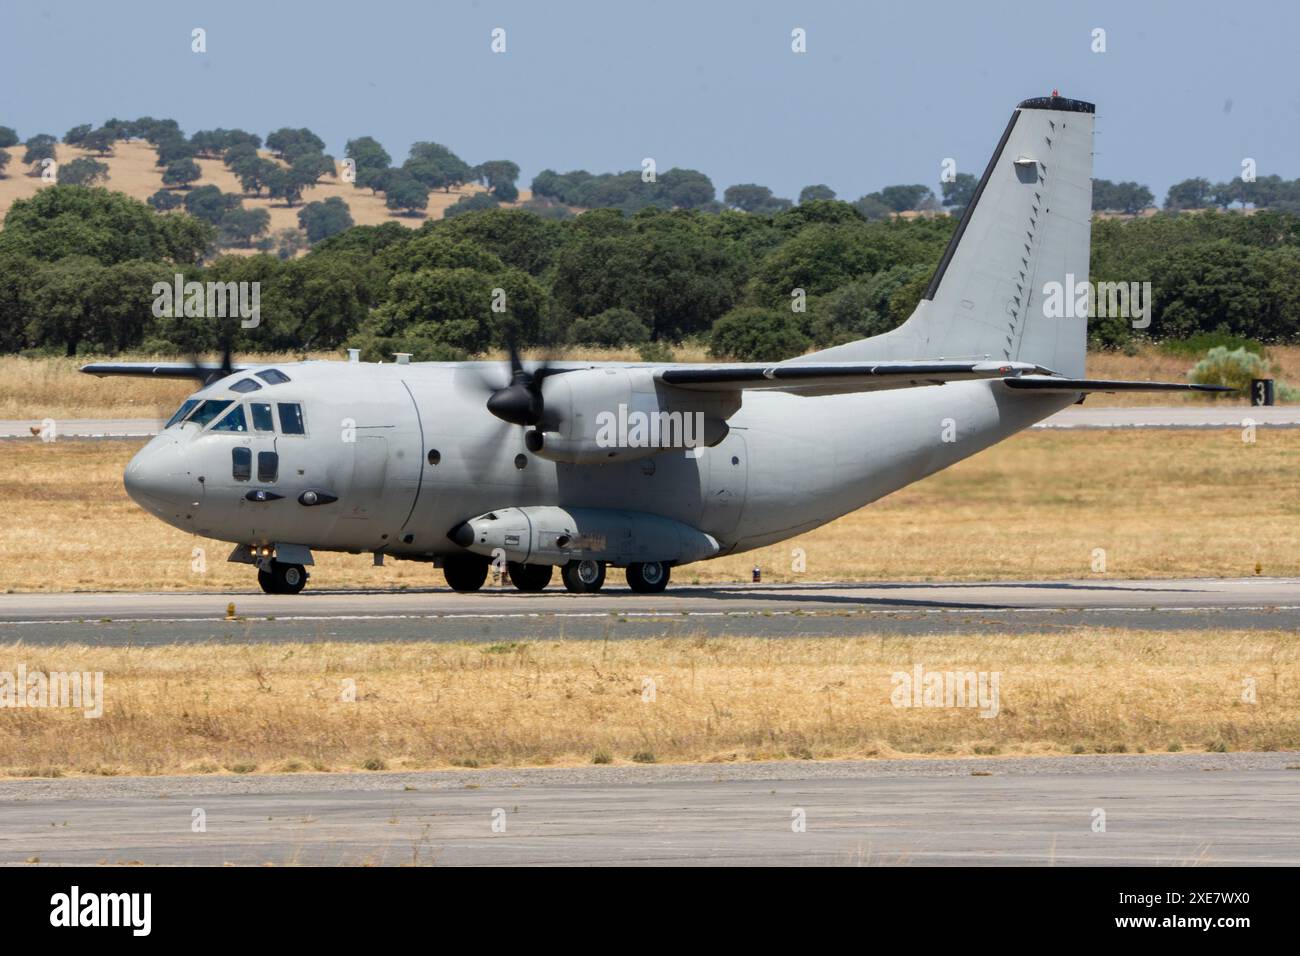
pixel 686 188
pixel 407 195
pixel 320 220
pixel 499 176
pixel 904 198
pixel 173 148
pixel 285 140
pixel 209 203
pixel 959 191
pixel 181 173
pixel 366 152
pixel 63 221
pixel 4 161
pixel 374 178
pixel 287 184
pixel 311 166
pixel 475 203
pixel 436 166
pixel 39 148
pixel 8 137
pixel 1128 197
pixel 753 198
pixel 872 208
pixel 77 134
pixel 613 328
pixel 100 140
pixel 1188 194
pixel 164 200
pixel 753 334
pixel 811 193
pixel 240 226
pixel 82 172
pixel 254 173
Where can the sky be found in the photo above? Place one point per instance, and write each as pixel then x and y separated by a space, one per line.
pixel 883 94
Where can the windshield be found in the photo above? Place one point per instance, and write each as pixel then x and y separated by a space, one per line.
pixel 208 411
pixel 181 412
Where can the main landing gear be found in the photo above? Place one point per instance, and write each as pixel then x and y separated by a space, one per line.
pixel 283 578
pixel 468 572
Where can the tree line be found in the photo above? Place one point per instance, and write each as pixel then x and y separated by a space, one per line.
pixel 78 265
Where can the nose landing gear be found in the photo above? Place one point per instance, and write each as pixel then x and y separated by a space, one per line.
pixel 283 578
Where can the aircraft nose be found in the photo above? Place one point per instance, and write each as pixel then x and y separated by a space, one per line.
pixel 158 480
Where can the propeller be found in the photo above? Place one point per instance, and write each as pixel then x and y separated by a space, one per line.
pixel 520 402
pixel 204 372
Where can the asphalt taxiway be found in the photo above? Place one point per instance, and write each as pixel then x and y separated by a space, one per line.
pixel 1170 809
pixel 771 610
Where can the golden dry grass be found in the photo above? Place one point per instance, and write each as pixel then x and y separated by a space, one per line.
pixel 37 388
pixel 243 708
pixel 132 170
pixel 1161 504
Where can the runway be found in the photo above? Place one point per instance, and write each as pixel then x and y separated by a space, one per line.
pixel 1169 809
pixel 1076 416
pixel 773 610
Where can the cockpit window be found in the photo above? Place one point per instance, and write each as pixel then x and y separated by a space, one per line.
pixel 261 416
pixel 291 422
pixel 245 385
pixel 234 422
pixel 272 376
pixel 209 410
pixel 182 412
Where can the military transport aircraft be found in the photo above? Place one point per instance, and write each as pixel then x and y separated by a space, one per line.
pixel 642 466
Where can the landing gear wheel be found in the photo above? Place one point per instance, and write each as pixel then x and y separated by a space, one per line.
pixel 648 577
pixel 465 572
pixel 529 577
pixel 584 577
pixel 283 578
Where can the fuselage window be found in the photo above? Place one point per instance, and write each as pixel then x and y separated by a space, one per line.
pixel 268 465
pixel 241 463
pixel 262 421
pixel 208 410
pixel 291 422
pixel 234 422
pixel 181 412
pixel 245 385
pixel 272 376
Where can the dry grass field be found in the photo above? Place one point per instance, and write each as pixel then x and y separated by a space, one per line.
pixel 39 388
pixel 131 170
pixel 327 707
pixel 1161 504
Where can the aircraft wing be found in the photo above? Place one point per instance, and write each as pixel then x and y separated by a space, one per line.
pixel 159 369
pixel 829 378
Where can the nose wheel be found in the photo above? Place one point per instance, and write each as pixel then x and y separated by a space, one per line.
pixel 584 577
pixel 283 578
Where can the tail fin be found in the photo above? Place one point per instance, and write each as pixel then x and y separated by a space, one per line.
pixel 1027 225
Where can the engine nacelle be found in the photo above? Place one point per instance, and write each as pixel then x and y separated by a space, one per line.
pixel 546 534
pixel 609 414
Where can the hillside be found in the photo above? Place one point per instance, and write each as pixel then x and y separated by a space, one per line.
pixel 131 170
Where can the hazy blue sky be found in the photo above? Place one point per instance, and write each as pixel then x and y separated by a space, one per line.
pixel 884 93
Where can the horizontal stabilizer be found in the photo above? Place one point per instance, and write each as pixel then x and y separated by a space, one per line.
pixel 1049 383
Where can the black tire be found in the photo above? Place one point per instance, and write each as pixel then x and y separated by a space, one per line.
pixel 283 578
pixel 584 577
pixel 465 572
pixel 648 577
pixel 529 577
